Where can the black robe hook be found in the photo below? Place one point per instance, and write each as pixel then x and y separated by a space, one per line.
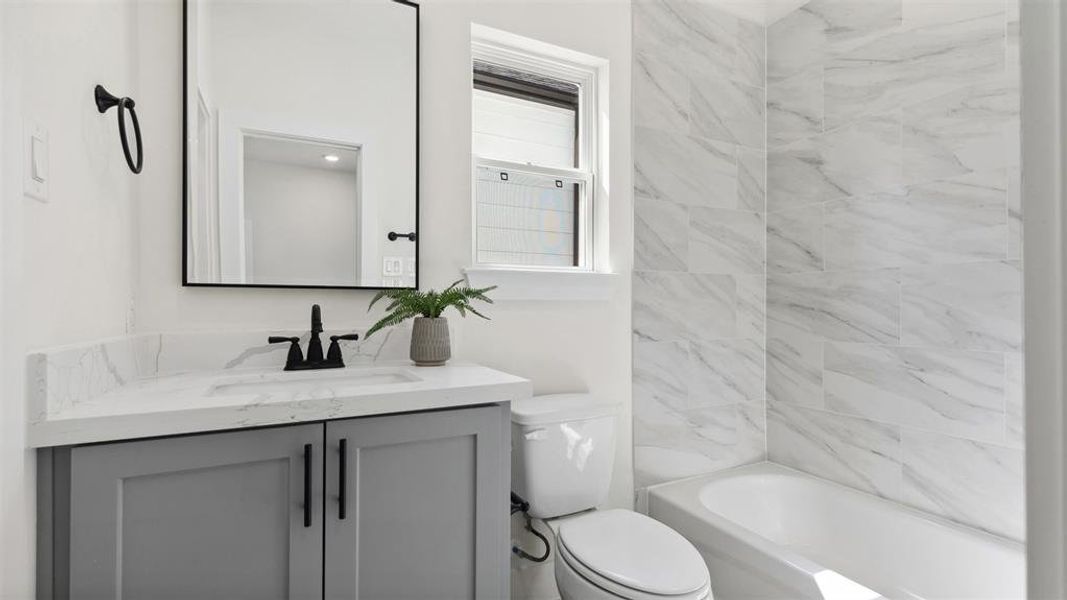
pixel 104 101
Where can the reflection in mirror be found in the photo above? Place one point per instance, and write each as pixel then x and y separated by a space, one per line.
pixel 289 185
pixel 301 143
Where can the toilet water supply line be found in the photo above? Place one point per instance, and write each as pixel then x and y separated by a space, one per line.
pixel 520 505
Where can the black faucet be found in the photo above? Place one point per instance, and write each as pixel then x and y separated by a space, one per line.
pixel 295 360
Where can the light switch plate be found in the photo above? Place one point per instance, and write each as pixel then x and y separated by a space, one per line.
pixel 36 172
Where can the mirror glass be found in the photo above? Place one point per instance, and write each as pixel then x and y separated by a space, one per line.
pixel 301 138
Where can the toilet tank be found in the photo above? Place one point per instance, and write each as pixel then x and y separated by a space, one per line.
pixel 562 452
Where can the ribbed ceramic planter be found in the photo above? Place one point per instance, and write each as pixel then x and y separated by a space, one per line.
pixel 430 346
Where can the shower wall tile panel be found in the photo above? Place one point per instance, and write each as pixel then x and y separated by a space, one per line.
pixel 856 452
pixel 894 286
pixel 861 157
pixel 700 111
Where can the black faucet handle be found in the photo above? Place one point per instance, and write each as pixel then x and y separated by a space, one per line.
pixel 295 356
pixel 333 355
pixel 347 337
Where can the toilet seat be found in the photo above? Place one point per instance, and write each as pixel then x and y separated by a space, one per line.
pixel 632 556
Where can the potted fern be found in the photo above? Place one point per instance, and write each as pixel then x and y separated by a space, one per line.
pixel 430 345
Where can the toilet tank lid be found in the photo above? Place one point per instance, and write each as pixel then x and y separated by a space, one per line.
pixel 558 408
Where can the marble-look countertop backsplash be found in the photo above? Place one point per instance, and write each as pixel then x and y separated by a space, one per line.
pixel 61 378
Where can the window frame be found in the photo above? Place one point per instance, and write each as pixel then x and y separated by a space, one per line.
pixel 527 57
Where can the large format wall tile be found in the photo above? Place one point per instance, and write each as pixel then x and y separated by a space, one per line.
pixel 950 391
pixel 795 43
pixel 971 482
pixel 843 306
pixel 795 107
pixel 725 241
pixel 795 240
pixel 794 366
pixel 660 373
pixel 661 451
pixel 725 372
pixel 660 243
pixel 862 157
pixel 684 376
pixel 751 307
pixel 731 435
pixel 850 24
pixel 750 60
pixel 684 306
pixel 661 93
pixel 969 129
pixel 671 444
pixel 956 221
pixel 751 179
pixel 975 306
pixel 855 452
pixel 729 111
pixel 908 66
pixel 927 13
pixel 684 169
pixel 660 309
pixel 708 42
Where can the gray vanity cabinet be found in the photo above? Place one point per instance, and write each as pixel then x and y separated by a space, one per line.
pixel 256 514
pixel 424 501
pixel 201 516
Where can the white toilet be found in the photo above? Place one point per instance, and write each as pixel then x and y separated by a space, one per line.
pixel 563 447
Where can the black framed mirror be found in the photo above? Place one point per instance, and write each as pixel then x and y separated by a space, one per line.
pixel 301 143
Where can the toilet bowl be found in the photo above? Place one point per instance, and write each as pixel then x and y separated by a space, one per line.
pixel 614 554
pixel 562 457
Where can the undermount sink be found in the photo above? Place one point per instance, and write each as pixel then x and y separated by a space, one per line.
pixel 312 382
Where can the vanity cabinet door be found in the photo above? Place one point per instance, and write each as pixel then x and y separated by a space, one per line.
pixel 204 516
pixel 417 506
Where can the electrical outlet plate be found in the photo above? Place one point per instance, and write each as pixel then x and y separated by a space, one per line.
pixel 35 161
pixel 392 266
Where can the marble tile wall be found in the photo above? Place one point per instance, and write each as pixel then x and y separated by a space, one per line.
pixel 700 229
pixel 894 291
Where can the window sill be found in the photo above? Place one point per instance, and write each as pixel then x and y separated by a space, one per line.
pixel 532 284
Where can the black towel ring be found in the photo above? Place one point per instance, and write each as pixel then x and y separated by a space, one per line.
pixel 104 101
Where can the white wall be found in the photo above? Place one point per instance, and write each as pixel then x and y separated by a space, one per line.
pixel 301 221
pixel 78 244
pixel 68 265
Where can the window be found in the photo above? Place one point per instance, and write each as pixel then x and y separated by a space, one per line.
pixel 534 152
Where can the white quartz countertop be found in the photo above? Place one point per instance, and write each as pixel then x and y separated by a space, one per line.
pixel 253 397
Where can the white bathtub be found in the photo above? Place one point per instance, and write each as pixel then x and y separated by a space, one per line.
pixel 767 531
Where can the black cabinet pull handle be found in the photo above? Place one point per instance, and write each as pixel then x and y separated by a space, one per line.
pixel 342 480
pixel 394 236
pixel 307 485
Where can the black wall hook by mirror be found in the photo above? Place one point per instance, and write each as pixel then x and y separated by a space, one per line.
pixel 104 101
